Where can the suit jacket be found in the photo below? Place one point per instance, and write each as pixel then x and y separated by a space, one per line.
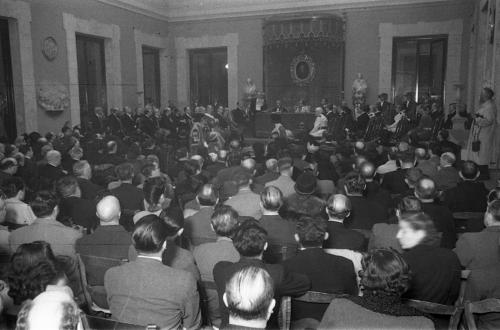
pixel 443 219
pixel 467 196
pixel 111 241
pixel 214 168
pixel 436 274
pixel 428 167
pixel 198 227
pixel 375 193
pixel 50 173
pixel 115 124
pixel 285 184
pixel 306 204
pixel 89 189
pixel 478 250
pixel 128 124
pixel 266 177
pixel 81 211
pixel 394 182
pixel 98 123
pixel 285 283
pixel 146 291
pixel 365 213
pixel 328 273
pixel 61 238
pixel 362 122
pixel 447 178
pixel 279 231
pixel 339 237
pixel 130 196
pixel 246 203
pixel 209 254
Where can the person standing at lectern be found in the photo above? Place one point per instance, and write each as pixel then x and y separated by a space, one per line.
pixel 279 107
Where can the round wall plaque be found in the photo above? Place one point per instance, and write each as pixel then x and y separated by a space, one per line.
pixel 49 48
pixel 302 70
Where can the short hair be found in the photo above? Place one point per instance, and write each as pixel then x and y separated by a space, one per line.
pixel 250 239
pixel 384 271
pixel 271 198
pixel 285 163
pixel 338 206
pixel 406 157
pixel 249 164
pixel 311 231
pixel 147 170
pixel 125 171
pixel 79 167
pixel 153 188
pixel 355 184
pixel 12 186
pixel 425 188
pixel 469 170
pixel 7 163
pixel 422 221
pixel 272 164
pixel 241 177
pixel 207 195
pixel 224 220
pixel 448 158
pixel 494 210
pixel 249 293
pixel 44 203
pixel 412 175
pixel 149 234
pixel 67 186
pixel 410 204
pixel 173 221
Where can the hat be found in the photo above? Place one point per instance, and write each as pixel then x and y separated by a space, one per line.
pixel 305 184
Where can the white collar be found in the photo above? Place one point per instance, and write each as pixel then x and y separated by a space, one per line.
pixel 149 257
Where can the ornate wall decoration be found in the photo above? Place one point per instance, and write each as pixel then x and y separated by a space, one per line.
pixel 49 48
pixel 302 70
pixel 53 96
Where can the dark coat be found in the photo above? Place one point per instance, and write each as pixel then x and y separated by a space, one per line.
pixel 339 237
pixel 443 219
pixel 394 182
pixel 82 212
pixel 106 241
pixel 365 213
pixel 89 189
pixel 467 196
pixel 130 196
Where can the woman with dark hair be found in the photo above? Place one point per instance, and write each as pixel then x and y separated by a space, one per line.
pixel 18 212
pixel 155 194
pixel 384 278
pixel 436 271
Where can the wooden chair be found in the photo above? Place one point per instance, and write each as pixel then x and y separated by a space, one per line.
pixel 454 312
pixel 92 270
pixel 491 305
pixel 313 297
pixel 375 126
pixel 277 253
pixel 100 323
pixel 466 222
pixel 404 125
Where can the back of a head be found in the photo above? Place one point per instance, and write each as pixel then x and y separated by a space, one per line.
pixel 241 177
pixel 469 170
pixel 406 158
pixel 311 231
pixel 207 195
pixel 285 164
pixel 250 239
pixel 173 220
pixel 149 234
pixel 153 189
pixel 249 294
pixel 271 198
pixel 249 164
pixel 125 171
pixel 447 158
pixel 108 209
pixel 44 203
pixel 425 188
pixel 413 175
pixel 67 186
pixel 420 153
pixel 423 222
pixel 493 212
pixel 272 165
pixel 12 186
pixel 410 204
pixel 54 157
pixel 338 206
pixel 224 220
pixel 355 184
pixel 367 170
pixel 81 168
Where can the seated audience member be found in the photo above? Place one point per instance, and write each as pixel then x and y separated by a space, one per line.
pixel 394 182
pixel 251 241
pixel 218 163
pixel 373 191
pixel 198 227
pixel 478 250
pixel 279 231
pixel 175 256
pixel 303 199
pixel 435 271
pixel 155 194
pixel 110 239
pixel 271 173
pixel 384 279
pixel 245 202
pixel 248 296
pixel 111 156
pixel 51 171
pixel 187 187
pixel 8 167
pixel 50 310
pixel 284 182
pixel 83 174
pixel 470 195
pixel 46 228
pixel 72 207
pixel 484 283
pixel 364 213
pixel 224 221
pixel 426 165
pixel 18 212
pixel 130 197
pixel 390 165
pixel 425 191
pixel 328 273
pixel 338 209
pixel 447 176
pixel 167 297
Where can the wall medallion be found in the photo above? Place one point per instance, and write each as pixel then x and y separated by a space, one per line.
pixel 49 48
pixel 302 70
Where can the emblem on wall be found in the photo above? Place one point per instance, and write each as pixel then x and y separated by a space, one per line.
pixel 49 48
pixel 302 70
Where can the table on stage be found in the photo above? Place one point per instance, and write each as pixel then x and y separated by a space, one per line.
pixel 264 125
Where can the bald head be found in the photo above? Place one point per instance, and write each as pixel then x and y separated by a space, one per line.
pixel 54 157
pixel 367 170
pixel 108 210
pixel 425 189
pixel 249 164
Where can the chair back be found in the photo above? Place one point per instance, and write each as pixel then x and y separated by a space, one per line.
pixel 404 125
pixel 277 253
pixel 100 323
pixel 491 305
pixel 454 312
pixel 373 129
pixel 96 267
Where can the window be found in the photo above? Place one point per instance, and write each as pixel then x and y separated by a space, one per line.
pixel 7 107
pixel 151 69
pixel 419 65
pixel 91 75
pixel 208 76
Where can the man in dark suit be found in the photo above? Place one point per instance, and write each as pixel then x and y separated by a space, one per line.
pixel 72 207
pixel 409 106
pixel 425 190
pixel 477 250
pixel 98 120
pixel 470 194
pixel 373 191
pixel 394 181
pixel 339 237
pixel 83 173
pixel 146 291
pixel 271 173
pixel 114 122
pixel 251 241
pixel 328 273
pixel 279 107
pixel 362 121
pixel 128 121
pixel 279 231
pixel 111 156
pixel 131 198
pixel 386 108
pixel 197 227
pixel 146 122
pixel 218 163
pixel 50 172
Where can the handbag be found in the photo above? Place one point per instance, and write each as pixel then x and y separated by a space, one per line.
pixel 476 143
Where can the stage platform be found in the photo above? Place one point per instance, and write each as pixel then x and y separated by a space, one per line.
pixel 291 121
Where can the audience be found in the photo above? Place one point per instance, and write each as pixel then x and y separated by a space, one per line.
pixel 447 176
pixel 279 231
pixel 198 227
pixel 245 202
pixel 284 182
pixel 17 211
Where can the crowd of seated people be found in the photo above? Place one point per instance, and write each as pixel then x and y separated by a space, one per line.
pixel 211 230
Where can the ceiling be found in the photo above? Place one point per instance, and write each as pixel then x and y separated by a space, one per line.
pixel 190 10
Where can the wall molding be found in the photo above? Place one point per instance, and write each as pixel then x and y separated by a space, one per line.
pixel 452 28
pixel 154 41
pixel 111 35
pixel 18 14
pixel 182 47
